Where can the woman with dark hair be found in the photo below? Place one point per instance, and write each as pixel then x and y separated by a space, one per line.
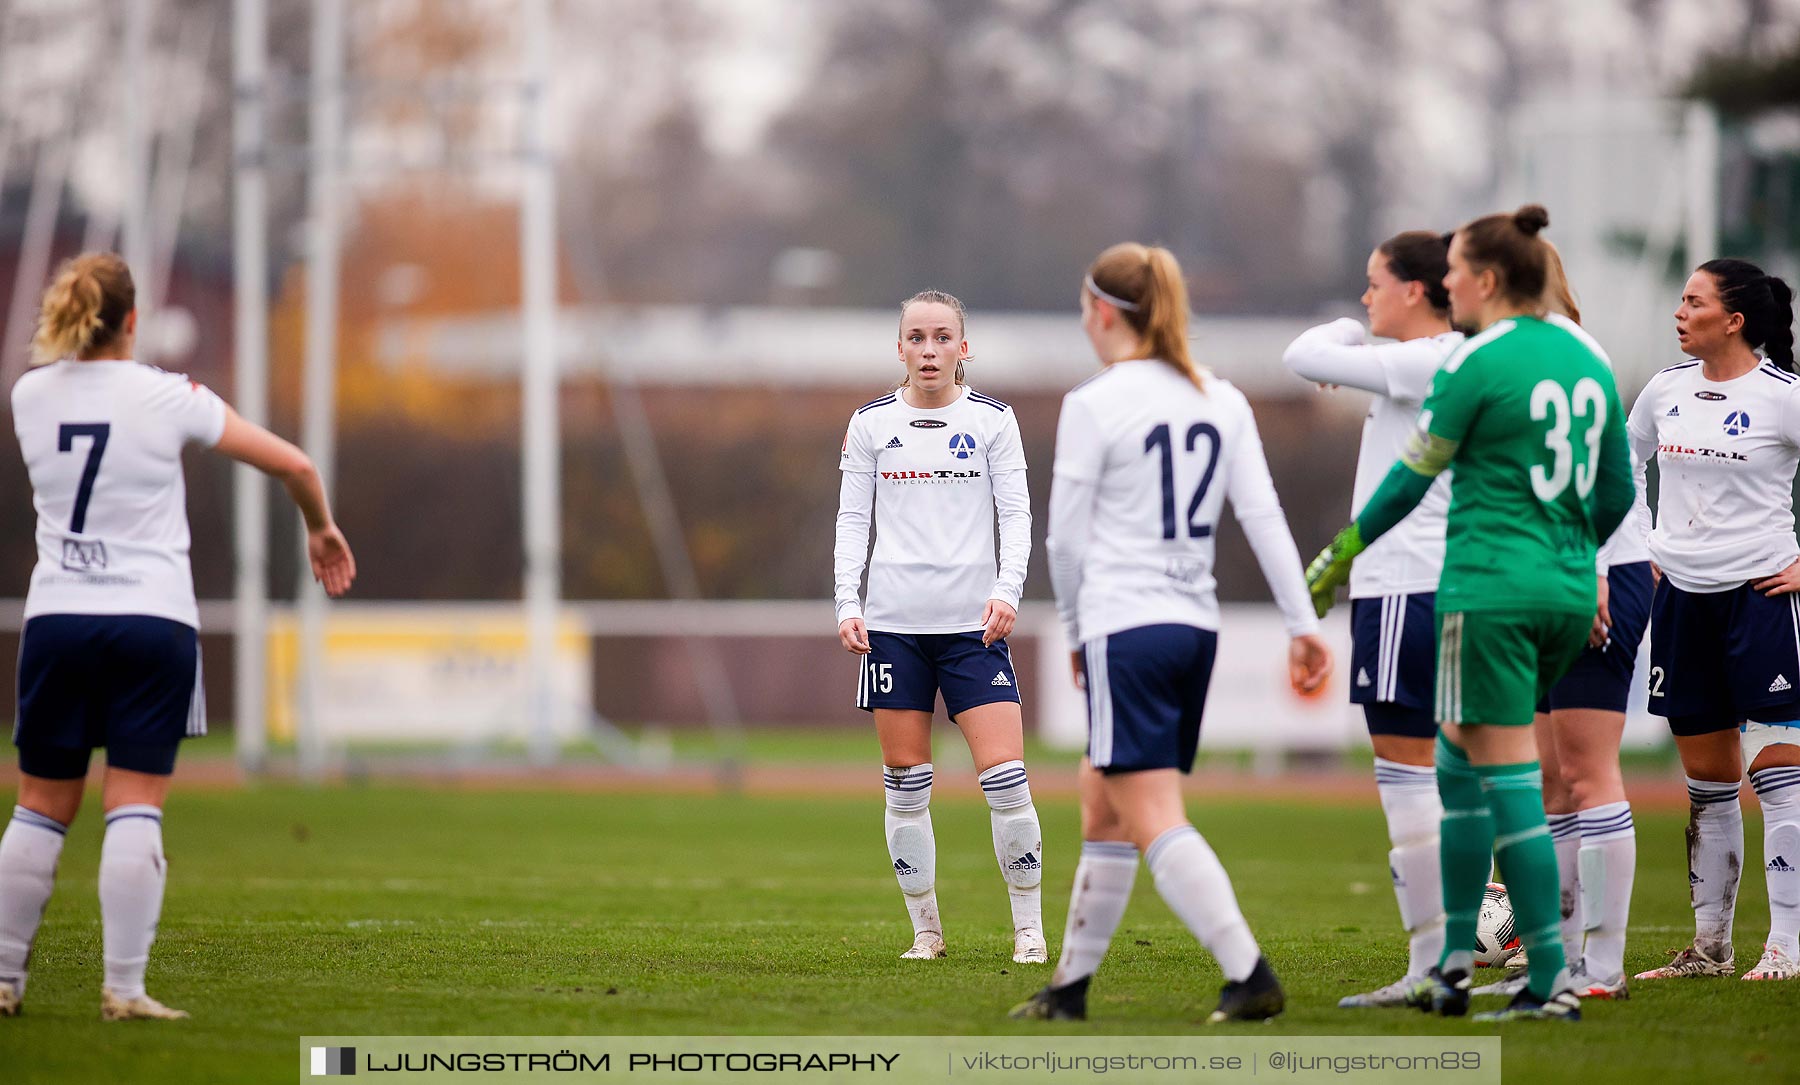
pixel 1529 418
pixel 1393 658
pixel 110 654
pixel 1724 427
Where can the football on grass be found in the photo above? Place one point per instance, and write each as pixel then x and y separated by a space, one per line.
pixel 1495 939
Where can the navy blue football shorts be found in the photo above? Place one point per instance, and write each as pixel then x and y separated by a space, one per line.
pixel 1720 658
pixel 908 670
pixel 1393 663
pixel 1146 690
pixel 1601 677
pixel 126 682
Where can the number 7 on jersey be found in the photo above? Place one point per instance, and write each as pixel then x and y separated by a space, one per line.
pixel 65 442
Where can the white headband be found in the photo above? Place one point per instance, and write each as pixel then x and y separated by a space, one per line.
pixel 1116 302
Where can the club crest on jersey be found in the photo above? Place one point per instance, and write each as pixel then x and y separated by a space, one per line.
pixel 962 446
pixel 1737 423
pixel 83 555
pixel 1710 397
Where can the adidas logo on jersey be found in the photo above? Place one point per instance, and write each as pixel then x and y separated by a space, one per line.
pixel 1780 685
pixel 1674 412
pixel 1780 865
pixel 1693 878
pixel 1362 678
pixel 895 443
pixel 1028 861
pixel 902 867
pixel 1000 679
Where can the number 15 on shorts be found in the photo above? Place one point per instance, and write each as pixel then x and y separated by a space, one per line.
pixel 881 677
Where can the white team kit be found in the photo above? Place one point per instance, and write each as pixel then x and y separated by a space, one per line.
pixel 934 477
pixel 102 442
pixel 938 481
pixel 1727 452
pixel 1408 558
pixel 1145 462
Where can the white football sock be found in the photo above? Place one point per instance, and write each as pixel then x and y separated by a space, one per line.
pixel 911 844
pixel 1608 864
pixel 1779 790
pixel 1715 858
pixel 1191 880
pixel 1018 841
pixel 28 852
pixel 1409 798
pixel 1103 880
pixel 132 873
pixel 1565 835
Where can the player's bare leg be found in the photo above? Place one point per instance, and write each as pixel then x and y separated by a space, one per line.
pixel 905 737
pixel 995 734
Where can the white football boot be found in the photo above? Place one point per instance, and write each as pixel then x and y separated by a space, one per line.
pixel 927 946
pixel 117 1008
pixel 1394 994
pixel 1029 946
pixel 1775 965
pixel 1510 986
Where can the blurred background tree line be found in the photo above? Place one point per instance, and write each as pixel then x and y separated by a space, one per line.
pixel 814 153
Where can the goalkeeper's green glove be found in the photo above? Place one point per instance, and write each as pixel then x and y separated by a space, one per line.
pixel 1332 568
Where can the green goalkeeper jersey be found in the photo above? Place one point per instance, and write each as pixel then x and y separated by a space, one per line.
pixel 1530 420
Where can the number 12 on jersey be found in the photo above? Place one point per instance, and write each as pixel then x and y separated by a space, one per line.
pixel 1160 438
pixel 97 432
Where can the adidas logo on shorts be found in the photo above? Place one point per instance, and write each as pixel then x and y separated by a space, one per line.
pixel 1000 679
pixel 895 443
pixel 1028 861
pixel 901 866
pixel 1780 865
pixel 1362 678
pixel 1780 685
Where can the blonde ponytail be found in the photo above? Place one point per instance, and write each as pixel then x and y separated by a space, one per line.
pixel 84 308
pixel 1147 280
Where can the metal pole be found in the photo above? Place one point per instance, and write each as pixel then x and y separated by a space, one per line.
pixel 250 332
pixel 1702 138
pixel 33 267
pixel 319 390
pixel 540 436
pixel 134 85
pixel 168 195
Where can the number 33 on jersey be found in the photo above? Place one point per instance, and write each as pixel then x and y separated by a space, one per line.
pixel 1545 415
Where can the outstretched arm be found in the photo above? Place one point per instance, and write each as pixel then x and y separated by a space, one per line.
pixel 332 563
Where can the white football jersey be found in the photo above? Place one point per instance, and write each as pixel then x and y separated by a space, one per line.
pixel 1725 452
pixel 935 478
pixel 1630 541
pixel 102 443
pixel 1410 557
pixel 1144 465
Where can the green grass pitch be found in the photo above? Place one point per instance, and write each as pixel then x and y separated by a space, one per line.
pixel 407 910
